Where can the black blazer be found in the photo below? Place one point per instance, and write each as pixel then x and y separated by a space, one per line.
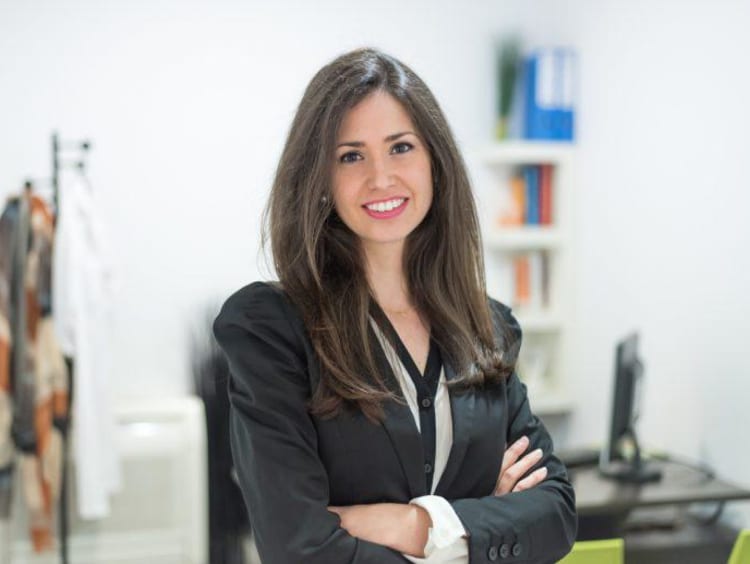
pixel 292 465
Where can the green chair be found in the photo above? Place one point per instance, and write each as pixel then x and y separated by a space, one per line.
pixel 610 551
pixel 741 551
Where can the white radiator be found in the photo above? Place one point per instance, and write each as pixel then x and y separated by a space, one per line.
pixel 160 516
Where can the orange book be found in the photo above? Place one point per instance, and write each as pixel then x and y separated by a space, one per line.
pixel 513 212
pixel 523 282
pixel 545 280
pixel 545 194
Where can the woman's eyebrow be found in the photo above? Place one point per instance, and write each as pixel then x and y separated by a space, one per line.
pixel 391 137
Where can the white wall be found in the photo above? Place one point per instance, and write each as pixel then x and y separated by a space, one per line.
pixel 663 220
pixel 188 103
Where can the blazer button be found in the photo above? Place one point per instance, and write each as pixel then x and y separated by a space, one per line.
pixel 492 553
pixel 504 551
pixel 426 402
pixel 516 550
pixel 427 467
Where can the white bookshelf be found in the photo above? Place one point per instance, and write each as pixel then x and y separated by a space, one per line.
pixel 546 327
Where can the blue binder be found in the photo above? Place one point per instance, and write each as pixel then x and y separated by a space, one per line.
pixel 549 78
pixel 531 176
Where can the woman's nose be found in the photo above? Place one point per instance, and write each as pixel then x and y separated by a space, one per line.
pixel 380 174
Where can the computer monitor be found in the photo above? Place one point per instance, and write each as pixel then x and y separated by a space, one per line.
pixel 621 455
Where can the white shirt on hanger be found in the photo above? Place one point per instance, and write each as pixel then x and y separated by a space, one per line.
pixel 82 300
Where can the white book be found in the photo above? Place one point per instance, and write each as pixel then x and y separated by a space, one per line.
pixel 536 280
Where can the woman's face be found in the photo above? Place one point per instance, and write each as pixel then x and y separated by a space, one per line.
pixel 382 181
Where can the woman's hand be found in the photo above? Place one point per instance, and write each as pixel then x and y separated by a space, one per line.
pixel 402 527
pixel 512 469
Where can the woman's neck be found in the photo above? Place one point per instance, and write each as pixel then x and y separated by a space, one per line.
pixel 385 274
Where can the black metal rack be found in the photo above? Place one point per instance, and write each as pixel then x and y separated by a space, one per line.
pixel 61 158
pixel 83 147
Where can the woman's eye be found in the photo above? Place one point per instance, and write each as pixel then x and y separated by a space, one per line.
pixel 353 156
pixel 405 146
pixel 349 157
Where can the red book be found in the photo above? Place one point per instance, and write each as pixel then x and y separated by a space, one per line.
pixel 545 194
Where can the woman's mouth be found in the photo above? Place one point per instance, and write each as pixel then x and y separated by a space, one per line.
pixel 386 209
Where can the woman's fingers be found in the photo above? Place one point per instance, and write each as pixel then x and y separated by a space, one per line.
pixel 510 478
pixel 536 477
pixel 512 454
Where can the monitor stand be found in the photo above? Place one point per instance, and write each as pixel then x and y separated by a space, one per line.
pixel 634 471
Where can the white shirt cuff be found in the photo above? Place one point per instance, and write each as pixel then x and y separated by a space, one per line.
pixel 446 529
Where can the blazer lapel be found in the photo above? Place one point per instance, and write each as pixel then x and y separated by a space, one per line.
pixel 401 428
pixel 462 413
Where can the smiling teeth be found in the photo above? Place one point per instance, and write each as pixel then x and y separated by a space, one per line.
pixel 386 206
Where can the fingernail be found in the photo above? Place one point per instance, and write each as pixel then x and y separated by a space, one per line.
pixel 537 452
pixel 524 440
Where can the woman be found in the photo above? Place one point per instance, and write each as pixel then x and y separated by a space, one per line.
pixel 373 388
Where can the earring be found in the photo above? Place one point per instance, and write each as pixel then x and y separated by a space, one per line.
pixel 324 200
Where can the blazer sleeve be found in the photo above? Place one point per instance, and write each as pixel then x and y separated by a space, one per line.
pixel 273 438
pixel 537 525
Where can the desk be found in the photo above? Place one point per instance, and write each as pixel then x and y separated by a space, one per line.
pixel 603 506
pixel 680 484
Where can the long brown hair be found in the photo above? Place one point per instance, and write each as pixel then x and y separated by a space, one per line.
pixel 319 260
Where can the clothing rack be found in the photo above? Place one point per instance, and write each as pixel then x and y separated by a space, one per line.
pixel 83 147
pixel 58 147
pixel 58 163
pixel 65 154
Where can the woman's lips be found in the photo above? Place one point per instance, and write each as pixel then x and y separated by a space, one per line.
pixel 387 214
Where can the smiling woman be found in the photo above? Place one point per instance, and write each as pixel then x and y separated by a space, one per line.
pixel 376 413
pixel 388 177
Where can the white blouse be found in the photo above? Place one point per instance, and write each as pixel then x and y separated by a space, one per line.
pixel 446 542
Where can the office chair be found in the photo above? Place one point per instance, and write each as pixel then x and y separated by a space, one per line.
pixel 228 520
pixel 741 551
pixel 610 551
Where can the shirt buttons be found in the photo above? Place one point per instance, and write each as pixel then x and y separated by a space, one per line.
pixel 492 553
pixel 426 402
pixel 516 550
pixel 504 551
pixel 427 467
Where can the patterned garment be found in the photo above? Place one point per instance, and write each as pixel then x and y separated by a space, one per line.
pixel 8 231
pixel 35 398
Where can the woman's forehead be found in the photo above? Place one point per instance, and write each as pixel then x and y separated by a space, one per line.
pixel 374 118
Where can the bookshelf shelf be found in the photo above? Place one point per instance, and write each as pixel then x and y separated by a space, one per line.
pixel 523 238
pixel 538 321
pixel 524 152
pixel 515 255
